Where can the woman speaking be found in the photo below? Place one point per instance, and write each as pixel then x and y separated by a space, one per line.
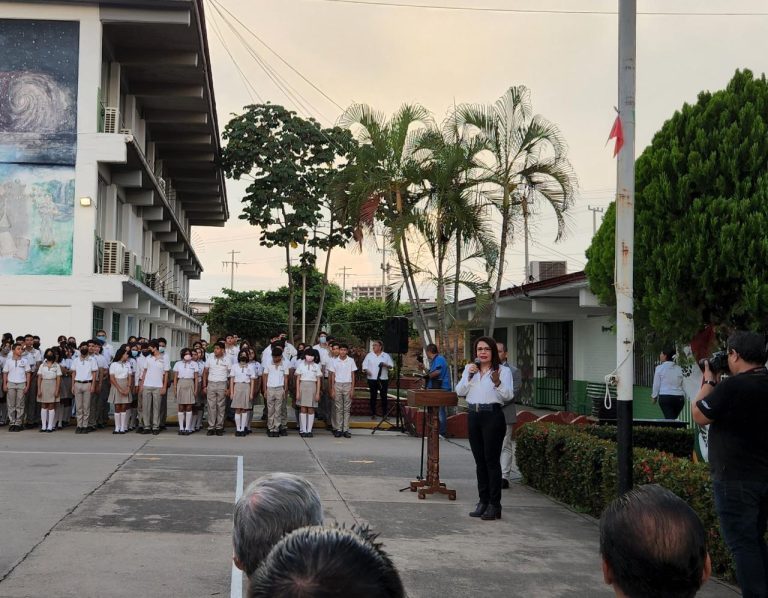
pixel 486 385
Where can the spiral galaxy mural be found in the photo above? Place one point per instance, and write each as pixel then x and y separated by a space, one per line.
pixel 38 143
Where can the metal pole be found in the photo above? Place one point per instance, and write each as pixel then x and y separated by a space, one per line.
pixel 625 235
pixel 595 211
pixel 304 306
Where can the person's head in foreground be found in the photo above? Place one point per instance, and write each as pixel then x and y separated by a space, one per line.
pixel 653 545
pixel 271 507
pixel 320 562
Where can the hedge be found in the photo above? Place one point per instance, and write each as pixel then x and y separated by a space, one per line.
pixel 678 442
pixel 579 469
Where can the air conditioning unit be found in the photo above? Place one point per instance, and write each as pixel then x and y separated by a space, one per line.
pixel 110 119
pixel 150 279
pixel 129 264
pixel 114 257
pixel 174 297
pixel 545 270
pixel 126 132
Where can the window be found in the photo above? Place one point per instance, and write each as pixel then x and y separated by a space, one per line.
pixel 98 320
pixel 645 365
pixel 115 326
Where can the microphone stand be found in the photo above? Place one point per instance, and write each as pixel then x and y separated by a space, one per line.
pixel 423 439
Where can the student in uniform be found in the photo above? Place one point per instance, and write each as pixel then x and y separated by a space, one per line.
pixel 241 385
pixel 120 375
pixel 309 374
pixel 275 388
pixel 164 397
pixel 343 368
pixel 96 417
pixel 64 407
pixel 154 382
pixel 215 387
pixel 48 387
pixel 185 384
pixel 85 373
pixel 141 362
pixel 17 375
pixel 256 372
pixel 34 358
pixel 5 351
pixel 132 410
pixel 199 407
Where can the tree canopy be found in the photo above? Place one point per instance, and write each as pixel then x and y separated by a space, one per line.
pixel 701 210
pixel 363 320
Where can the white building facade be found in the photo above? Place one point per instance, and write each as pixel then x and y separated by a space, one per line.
pixel 107 161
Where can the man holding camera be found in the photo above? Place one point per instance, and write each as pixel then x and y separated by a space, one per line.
pixel 737 409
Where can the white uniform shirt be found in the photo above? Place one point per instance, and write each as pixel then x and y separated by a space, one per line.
pixel 276 374
pixel 668 380
pixel 186 369
pixel 218 368
pixel 141 361
pixel 66 363
pixel 290 351
pixel 231 354
pixel 325 357
pixel 256 369
pixel 343 369
pixel 31 358
pixel 47 372
pixel 108 351
pixel 480 389
pixel 309 372
pixel 154 369
pixel 84 370
pixel 200 366
pixel 241 373
pixel 371 366
pixel 121 370
pixel 101 361
pixel 16 369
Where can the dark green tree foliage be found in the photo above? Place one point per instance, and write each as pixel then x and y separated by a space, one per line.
pixel 701 249
pixel 361 321
pixel 248 314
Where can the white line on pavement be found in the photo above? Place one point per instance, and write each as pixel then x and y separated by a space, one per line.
pixel 236 584
pixel 116 454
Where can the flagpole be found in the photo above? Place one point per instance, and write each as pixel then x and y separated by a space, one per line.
pixel 625 238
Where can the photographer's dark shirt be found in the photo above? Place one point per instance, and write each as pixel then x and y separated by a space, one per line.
pixel 738 437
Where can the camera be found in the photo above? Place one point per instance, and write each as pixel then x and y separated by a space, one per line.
pixel 718 363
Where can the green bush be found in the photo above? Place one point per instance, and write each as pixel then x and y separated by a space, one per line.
pixel 574 466
pixel 669 440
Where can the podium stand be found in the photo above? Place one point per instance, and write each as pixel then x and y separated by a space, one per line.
pixel 432 400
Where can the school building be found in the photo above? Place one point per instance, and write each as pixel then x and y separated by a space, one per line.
pixel 108 146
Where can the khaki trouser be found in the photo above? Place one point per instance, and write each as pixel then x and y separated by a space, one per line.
pixel 275 407
pixel 31 412
pixel 139 408
pixel 342 400
pixel 82 391
pixel 507 454
pixel 217 405
pixel 151 407
pixel 16 405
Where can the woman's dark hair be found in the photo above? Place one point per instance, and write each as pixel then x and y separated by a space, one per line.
pixel 242 354
pixel 495 361
pixel 119 353
pixel 185 351
pixel 52 352
pixel 669 353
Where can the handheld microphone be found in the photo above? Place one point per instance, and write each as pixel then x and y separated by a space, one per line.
pixel 477 364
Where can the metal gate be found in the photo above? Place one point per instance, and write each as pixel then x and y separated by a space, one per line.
pixel 553 364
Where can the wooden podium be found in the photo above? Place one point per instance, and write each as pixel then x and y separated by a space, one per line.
pixel 432 400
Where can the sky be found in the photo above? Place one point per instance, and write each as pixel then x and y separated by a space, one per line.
pixel 389 55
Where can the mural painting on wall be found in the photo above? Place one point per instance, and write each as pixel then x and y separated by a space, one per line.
pixel 38 143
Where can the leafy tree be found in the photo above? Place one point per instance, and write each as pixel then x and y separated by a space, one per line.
pixel 359 322
pixel 290 162
pixel 525 163
pixel 701 211
pixel 249 314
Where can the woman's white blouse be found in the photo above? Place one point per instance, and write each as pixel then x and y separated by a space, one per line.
pixel 667 380
pixel 121 370
pixel 240 373
pixel 480 388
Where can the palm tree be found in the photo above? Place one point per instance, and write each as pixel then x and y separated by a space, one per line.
pixel 386 176
pixel 524 161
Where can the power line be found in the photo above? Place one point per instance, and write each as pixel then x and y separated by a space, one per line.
pixel 488 9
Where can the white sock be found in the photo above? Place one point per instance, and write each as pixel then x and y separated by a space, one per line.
pixel 124 421
pixel 303 423
pixel 238 422
pixel 247 419
pixel 117 421
pixel 43 418
pixel 180 416
pixel 188 421
pixel 310 421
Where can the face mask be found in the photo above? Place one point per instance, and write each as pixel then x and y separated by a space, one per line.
pixel 162 349
pixel 49 357
pixel 134 353
pixel 309 358
pixel 322 340
pixel 187 357
pixel 36 344
pixel 101 338
pixel 243 360
pixel 145 353
pixel 83 352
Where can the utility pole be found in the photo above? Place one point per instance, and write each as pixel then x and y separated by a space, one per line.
pixel 344 283
pixel 625 240
pixel 595 211
pixel 232 264
pixel 384 264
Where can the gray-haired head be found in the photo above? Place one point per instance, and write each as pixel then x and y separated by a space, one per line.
pixel 271 507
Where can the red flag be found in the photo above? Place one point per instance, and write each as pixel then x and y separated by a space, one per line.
pixel 617 132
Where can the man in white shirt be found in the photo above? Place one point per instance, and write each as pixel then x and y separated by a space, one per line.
pixel 164 398
pixel 510 416
pixel 16 381
pixel 85 375
pixel 376 366
pixel 342 387
pixel 99 405
pixel 325 406
pixel 107 350
pixel 33 357
pixel 216 388
pixel 154 382
pixel 275 387
pixel 141 362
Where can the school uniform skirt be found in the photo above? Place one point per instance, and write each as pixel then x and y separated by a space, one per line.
pixel 65 389
pixel 185 391
pixel 308 390
pixel 242 398
pixel 116 398
pixel 48 388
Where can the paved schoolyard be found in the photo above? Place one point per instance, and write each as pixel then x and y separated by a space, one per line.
pixel 103 515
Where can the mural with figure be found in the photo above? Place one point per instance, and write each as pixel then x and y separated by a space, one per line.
pixel 38 144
